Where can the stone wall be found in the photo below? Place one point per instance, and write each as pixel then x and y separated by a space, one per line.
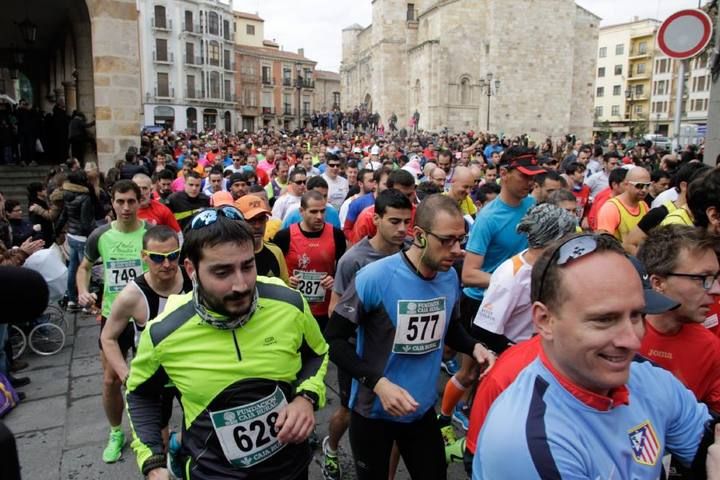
pixel 585 64
pixel 116 77
pixel 543 58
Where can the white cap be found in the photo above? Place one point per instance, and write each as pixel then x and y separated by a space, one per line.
pixel 375 150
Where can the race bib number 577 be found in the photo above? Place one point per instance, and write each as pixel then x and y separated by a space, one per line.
pixel 420 326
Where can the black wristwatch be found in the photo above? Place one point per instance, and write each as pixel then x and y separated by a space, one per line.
pixel 310 397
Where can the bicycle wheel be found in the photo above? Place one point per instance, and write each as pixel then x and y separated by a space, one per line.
pixel 18 341
pixel 54 314
pixel 46 339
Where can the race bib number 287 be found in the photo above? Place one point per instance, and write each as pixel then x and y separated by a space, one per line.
pixel 420 326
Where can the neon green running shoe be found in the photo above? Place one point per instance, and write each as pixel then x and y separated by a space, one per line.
pixel 448 435
pixel 455 451
pixel 113 451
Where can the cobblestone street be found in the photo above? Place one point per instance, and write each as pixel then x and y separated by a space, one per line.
pixel 61 429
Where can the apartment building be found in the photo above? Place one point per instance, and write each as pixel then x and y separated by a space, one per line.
pixel 275 88
pixel 188 64
pixel 636 85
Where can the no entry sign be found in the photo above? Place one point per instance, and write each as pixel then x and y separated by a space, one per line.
pixel 684 34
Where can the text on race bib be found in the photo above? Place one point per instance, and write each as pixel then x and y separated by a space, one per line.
pixel 119 273
pixel 247 433
pixel 420 326
pixel 309 285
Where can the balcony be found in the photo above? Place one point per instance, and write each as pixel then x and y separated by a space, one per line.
pixel 638 54
pixel 266 81
pixel 231 98
pixel 196 95
pixel 229 66
pixel 164 57
pixel 164 94
pixel 164 24
pixel 227 36
pixel 193 61
pixel 288 111
pixel 307 83
pixel 287 82
pixel 637 77
pixel 268 111
pixel 193 28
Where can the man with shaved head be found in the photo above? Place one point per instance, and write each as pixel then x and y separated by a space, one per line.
pixel 460 186
pixel 622 213
pixel 151 210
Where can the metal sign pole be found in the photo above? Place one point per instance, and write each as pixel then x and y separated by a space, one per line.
pixel 679 89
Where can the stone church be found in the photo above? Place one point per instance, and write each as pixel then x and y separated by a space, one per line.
pixel 537 58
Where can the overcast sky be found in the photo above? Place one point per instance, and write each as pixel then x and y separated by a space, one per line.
pixel 315 25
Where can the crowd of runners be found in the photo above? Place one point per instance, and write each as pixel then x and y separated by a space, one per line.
pixel 529 309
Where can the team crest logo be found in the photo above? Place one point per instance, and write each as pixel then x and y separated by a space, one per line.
pixel 644 444
pixel 303 261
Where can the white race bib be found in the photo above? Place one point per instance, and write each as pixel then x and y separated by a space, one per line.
pixel 247 433
pixel 309 285
pixel 711 321
pixel 420 326
pixel 120 272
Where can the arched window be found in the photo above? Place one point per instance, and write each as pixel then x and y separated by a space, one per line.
pixel 160 18
pixel 213 23
pixel 191 115
pixel 465 91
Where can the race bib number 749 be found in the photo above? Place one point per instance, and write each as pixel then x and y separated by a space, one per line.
pixel 420 326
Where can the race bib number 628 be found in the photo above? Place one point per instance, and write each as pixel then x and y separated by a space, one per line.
pixel 247 434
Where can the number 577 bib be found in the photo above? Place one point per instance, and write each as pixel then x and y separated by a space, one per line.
pixel 420 326
pixel 247 433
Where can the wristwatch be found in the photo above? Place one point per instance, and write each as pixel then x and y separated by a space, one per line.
pixel 310 397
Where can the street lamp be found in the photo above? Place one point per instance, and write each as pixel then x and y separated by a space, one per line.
pixel 28 30
pixel 490 89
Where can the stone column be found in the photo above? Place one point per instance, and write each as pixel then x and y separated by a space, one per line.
pixel 115 77
pixel 70 91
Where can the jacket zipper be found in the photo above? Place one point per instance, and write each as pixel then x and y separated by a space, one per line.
pixel 237 347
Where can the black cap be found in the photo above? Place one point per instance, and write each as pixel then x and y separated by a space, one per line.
pixel 655 302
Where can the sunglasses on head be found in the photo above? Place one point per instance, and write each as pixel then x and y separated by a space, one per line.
pixel 210 216
pixel 569 250
pixel 157 257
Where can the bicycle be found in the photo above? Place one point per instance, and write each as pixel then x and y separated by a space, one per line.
pixel 44 335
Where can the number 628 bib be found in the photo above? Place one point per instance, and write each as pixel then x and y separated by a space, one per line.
pixel 420 326
pixel 247 433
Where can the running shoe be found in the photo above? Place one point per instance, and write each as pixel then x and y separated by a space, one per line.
pixel 173 463
pixel 460 417
pixel 331 463
pixel 448 434
pixel 113 451
pixel 450 366
pixel 454 452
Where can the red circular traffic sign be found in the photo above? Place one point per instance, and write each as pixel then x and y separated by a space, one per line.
pixel 684 34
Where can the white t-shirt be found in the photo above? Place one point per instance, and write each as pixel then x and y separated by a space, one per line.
pixel 670 194
pixel 345 208
pixel 505 308
pixel 337 190
pixel 283 204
